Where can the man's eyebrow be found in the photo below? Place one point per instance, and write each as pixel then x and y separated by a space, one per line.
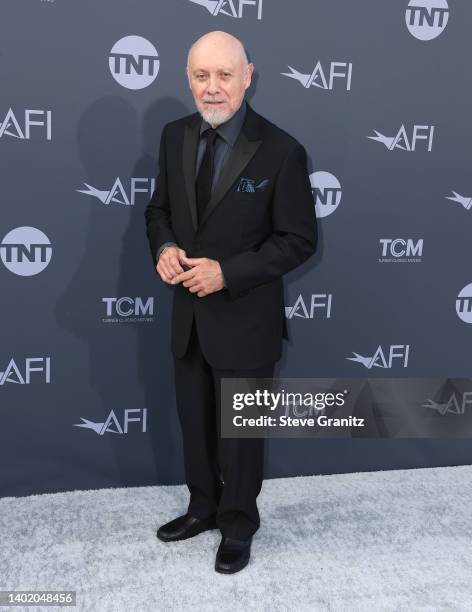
pixel 206 71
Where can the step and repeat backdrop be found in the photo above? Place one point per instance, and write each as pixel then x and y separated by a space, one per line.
pixel 378 91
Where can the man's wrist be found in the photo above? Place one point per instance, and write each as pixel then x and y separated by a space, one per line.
pixel 222 276
pixel 162 248
pixel 162 252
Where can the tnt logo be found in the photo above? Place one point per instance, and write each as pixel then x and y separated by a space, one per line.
pixel 407 143
pixel 231 8
pixel 326 190
pixel 127 309
pixel 426 19
pixel 39 367
pixel 113 425
pixel 401 250
pixel 384 359
pixel 464 304
pixel 38 121
pixel 337 72
pixel 26 251
pixel 134 62
pixel 319 306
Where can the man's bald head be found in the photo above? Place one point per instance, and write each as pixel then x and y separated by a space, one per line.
pixel 221 42
pixel 218 74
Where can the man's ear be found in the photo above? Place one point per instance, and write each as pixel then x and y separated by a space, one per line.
pixel 250 70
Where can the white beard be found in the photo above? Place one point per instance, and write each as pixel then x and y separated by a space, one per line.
pixel 216 116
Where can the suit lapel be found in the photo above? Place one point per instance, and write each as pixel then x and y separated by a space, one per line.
pixel 189 156
pixel 244 149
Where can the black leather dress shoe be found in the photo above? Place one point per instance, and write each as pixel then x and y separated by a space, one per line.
pixel 232 555
pixel 184 527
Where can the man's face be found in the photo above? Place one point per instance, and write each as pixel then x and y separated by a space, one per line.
pixel 218 79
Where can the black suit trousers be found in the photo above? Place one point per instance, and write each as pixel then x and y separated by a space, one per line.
pixel 224 475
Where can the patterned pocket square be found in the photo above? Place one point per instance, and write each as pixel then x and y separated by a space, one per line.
pixel 249 185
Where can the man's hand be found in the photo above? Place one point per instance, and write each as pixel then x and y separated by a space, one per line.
pixel 204 277
pixel 169 263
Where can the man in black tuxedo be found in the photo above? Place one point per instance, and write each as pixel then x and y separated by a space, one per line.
pixel 231 213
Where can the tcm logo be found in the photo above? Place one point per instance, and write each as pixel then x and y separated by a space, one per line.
pixel 336 73
pixel 456 404
pixel 401 140
pixel 327 193
pixel 22 373
pixel 400 250
pixel 113 425
pixel 231 8
pixel 134 62
pixel 127 309
pixel 118 194
pixel 318 307
pixel 32 123
pixel 25 251
pixel 464 304
pixel 384 359
pixel 426 19
pixel 464 201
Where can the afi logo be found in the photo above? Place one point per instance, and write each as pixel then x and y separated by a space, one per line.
pixel 319 306
pixel 454 405
pixel 426 19
pixel 341 71
pixel 231 8
pixel 113 425
pixel 464 201
pixel 117 194
pixel 399 248
pixel 13 373
pixel 131 309
pixel 464 304
pixel 134 62
pixel 401 140
pixel 382 359
pixel 37 120
pixel 25 251
pixel 327 192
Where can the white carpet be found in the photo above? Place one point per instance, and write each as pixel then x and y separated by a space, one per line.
pixel 377 541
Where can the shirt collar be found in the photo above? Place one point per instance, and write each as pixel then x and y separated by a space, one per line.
pixel 229 130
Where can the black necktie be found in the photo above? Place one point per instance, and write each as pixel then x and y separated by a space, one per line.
pixel 205 173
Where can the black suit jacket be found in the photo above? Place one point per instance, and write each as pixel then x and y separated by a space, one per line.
pixel 256 237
